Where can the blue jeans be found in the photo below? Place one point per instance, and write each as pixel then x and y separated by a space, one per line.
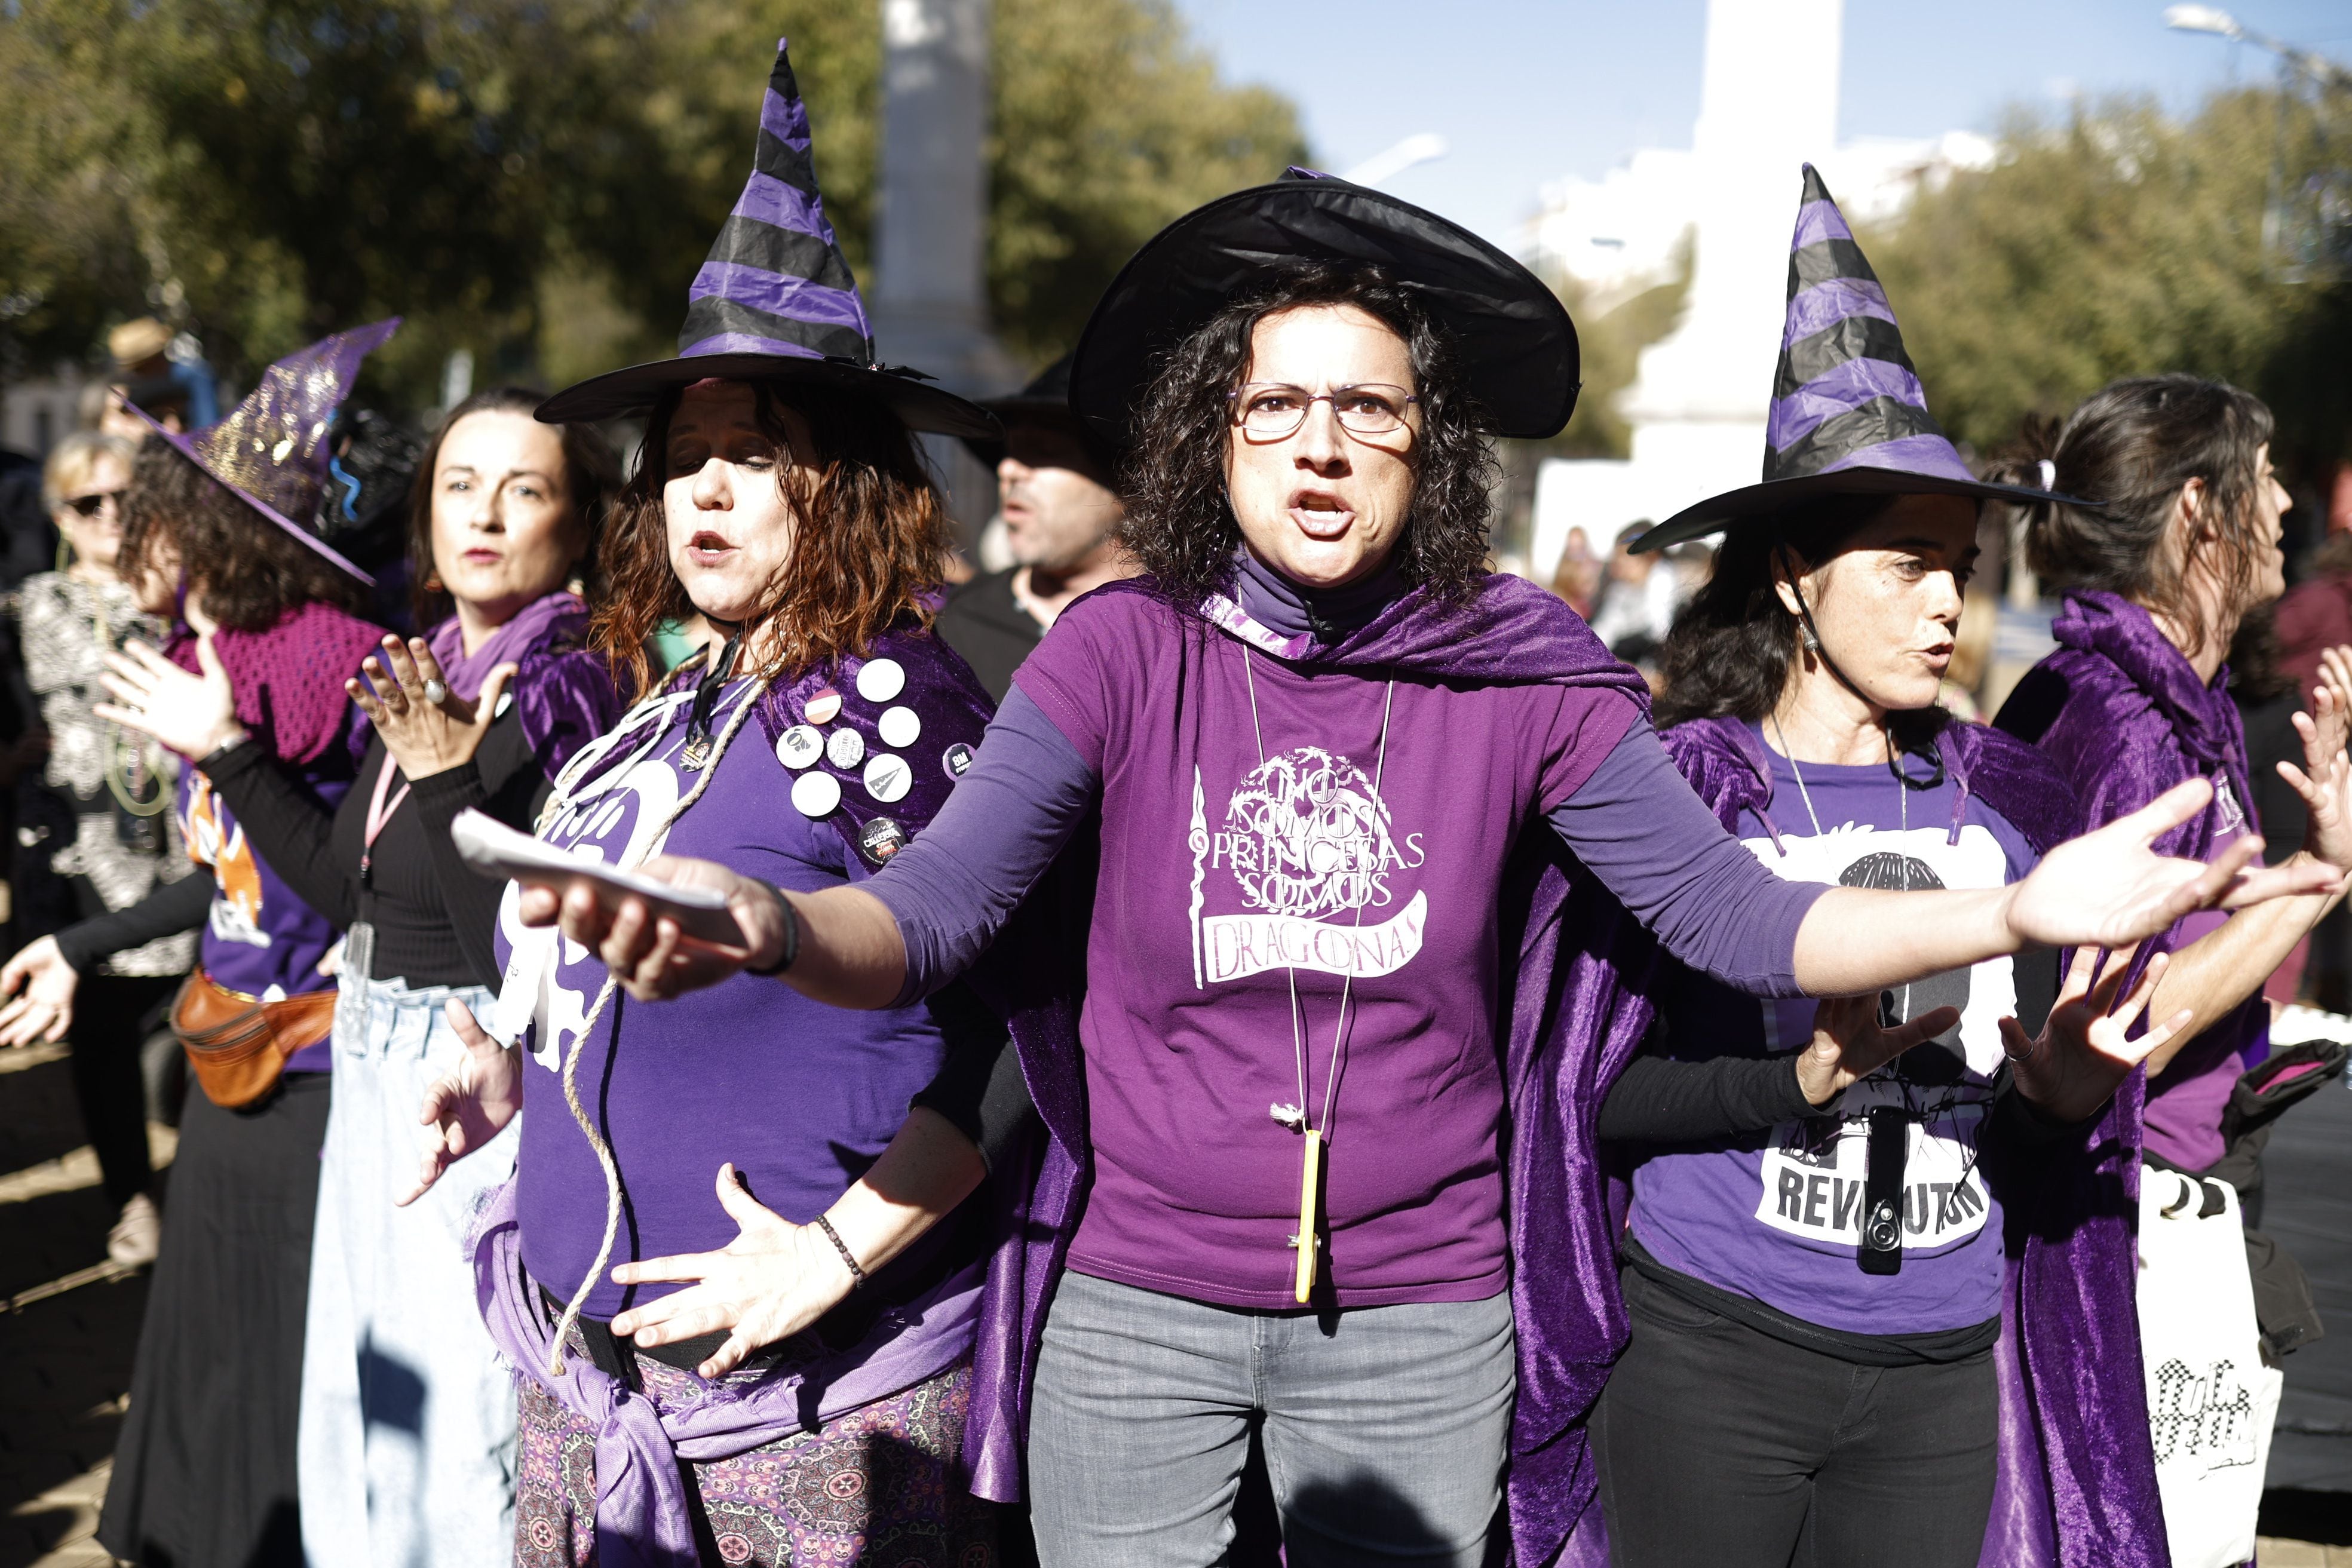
pixel 1385 1429
pixel 406 1442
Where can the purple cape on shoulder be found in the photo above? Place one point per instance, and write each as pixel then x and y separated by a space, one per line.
pixel 2077 1480
pixel 563 691
pixel 1574 983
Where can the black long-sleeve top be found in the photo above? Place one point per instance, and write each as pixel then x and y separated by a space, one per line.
pixel 434 918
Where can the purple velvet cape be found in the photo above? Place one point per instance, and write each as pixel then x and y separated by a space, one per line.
pixel 1571 980
pixel 2076 1484
pixel 642 1519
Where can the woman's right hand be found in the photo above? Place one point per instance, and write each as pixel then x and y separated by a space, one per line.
pixel 650 956
pixel 2324 779
pixel 45 1009
pixel 470 1106
pixel 1848 1045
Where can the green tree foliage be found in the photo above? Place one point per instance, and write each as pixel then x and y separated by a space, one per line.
pixel 2115 242
pixel 538 181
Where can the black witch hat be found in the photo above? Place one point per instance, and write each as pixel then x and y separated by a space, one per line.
pixel 1516 343
pixel 1044 403
pixel 775 301
pixel 1849 416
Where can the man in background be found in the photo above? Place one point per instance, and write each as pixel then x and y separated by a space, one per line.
pixel 1059 509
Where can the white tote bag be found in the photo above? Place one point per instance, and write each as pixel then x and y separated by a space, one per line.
pixel 2210 1400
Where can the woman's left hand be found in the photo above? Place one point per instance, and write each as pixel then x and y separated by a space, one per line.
pixel 2082 1054
pixel 2324 779
pixel 422 737
pixel 772 1282
pixel 194 716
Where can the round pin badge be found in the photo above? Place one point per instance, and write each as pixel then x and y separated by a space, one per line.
pixel 881 679
pixel 888 778
pixel 816 794
pixel 880 838
pixel 956 759
pixel 899 727
pixel 845 748
pixel 799 746
pixel 824 704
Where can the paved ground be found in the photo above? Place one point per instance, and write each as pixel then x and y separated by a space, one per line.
pixel 68 1321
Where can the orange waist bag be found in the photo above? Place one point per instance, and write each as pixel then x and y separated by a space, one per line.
pixel 237 1047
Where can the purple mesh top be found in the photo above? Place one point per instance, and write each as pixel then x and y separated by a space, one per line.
pixel 1196 1183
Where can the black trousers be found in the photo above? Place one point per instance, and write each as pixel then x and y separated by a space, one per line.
pixel 113 1014
pixel 1720 1447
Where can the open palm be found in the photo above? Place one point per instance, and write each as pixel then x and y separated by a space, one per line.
pixel 2083 1051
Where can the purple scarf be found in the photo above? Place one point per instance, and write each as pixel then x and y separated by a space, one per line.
pixel 1577 1014
pixel 2076 1484
pixel 562 692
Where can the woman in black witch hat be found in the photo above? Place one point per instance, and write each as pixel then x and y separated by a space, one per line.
pixel 1336 763
pixel 1830 1234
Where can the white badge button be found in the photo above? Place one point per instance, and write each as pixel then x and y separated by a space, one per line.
pixel 881 679
pixel 822 705
pixel 799 746
pixel 815 794
pixel 845 748
pixel 888 778
pixel 899 727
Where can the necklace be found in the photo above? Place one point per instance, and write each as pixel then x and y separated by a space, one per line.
pixel 127 764
pixel 1309 1241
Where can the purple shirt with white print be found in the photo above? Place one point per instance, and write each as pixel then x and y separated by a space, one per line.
pixel 1778 1216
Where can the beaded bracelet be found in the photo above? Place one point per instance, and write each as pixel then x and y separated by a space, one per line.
pixel 856 1274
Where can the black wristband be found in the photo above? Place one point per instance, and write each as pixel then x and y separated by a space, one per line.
pixel 791 948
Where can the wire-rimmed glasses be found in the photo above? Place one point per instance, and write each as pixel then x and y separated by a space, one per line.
pixel 1269 410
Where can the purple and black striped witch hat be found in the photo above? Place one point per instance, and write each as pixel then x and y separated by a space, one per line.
pixel 775 301
pixel 1849 416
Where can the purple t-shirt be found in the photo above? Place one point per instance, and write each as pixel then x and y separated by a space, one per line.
pixel 1348 851
pixel 800 1096
pixel 261 940
pixel 1778 1216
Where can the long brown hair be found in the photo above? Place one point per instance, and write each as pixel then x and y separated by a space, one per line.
pixel 871 539
pixel 591 476
pixel 2132 446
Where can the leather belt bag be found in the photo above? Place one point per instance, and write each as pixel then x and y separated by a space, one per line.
pixel 236 1046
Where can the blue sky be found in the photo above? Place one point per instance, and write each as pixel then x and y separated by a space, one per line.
pixel 1528 90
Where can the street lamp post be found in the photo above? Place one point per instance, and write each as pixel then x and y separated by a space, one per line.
pixel 2221 24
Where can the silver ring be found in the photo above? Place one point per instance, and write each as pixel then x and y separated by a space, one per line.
pixel 436 693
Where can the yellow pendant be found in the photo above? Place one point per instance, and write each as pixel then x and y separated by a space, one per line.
pixel 1311 1171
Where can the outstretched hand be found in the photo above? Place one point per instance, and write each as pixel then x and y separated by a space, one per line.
pixel 2110 888
pixel 193 715
pixel 1849 1044
pixel 774 1281
pixel 46 1010
pixel 651 958
pixel 470 1105
pixel 2324 779
pixel 2082 1053
pixel 423 736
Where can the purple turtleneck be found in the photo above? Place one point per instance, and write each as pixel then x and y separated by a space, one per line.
pixel 1635 822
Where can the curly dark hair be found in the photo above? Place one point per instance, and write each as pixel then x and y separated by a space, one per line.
pixel 872 542
pixel 591 477
pixel 1180 524
pixel 249 572
pixel 2132 446
pixel 1728 656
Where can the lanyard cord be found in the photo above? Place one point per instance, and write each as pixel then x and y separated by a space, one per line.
pixel 588 1025
pixel 1347 987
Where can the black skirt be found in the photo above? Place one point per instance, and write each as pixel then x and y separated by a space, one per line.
pixel 204 1473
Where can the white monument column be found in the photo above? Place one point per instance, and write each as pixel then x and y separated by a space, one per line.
pixel 1767 104
pixel 930 302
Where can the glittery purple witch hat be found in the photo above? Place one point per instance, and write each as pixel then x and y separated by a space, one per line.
pixel 775 300
pixel 271 450
pixel 1849 416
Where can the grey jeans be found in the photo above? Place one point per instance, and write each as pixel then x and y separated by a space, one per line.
pixel 1385 1429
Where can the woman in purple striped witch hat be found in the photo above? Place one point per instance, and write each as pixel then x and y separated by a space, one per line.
pixel 1843 1245
pixel 1318 1081
pixel 778 495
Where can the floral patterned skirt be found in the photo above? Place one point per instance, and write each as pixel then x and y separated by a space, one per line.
pixel 881 1486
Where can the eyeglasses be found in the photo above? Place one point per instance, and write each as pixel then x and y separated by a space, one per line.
pixel 1272 410
pixel 90 506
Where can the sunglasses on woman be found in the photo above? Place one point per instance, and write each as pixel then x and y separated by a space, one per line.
pixel 90 506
